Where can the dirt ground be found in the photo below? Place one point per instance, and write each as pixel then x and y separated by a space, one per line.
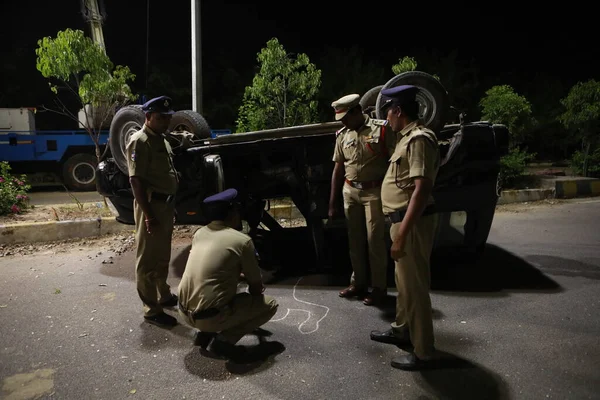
pixel 62 212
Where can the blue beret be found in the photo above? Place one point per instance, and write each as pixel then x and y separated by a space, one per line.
pixel 225 196
pixel 160 104
pixel 400 94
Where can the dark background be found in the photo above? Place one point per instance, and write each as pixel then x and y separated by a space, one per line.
pixel 540 51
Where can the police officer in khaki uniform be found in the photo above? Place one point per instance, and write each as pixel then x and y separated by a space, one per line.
pixel 361 155
pixel 408 203
pixel 154 182
pixel 208 298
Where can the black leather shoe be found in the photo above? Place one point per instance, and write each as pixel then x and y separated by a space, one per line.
pixel 226 350
pixel 411 362
pixel 203 339
pixel 172 302
pixel 163 320
pixel 390 338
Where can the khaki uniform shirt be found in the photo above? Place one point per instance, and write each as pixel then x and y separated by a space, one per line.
pixel 211 276
pixel 416 155
pixel 149 157
pixel 365 152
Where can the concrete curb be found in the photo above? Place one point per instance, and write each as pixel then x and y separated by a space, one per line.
pixel 525 195
pixel 74 229
pixel 570 188
pixel 60 230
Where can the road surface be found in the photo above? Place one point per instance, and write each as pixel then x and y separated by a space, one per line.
pixel 524 323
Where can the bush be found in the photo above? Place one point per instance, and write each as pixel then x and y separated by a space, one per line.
pixel 512 166
pixel 577 160
pixel 13 191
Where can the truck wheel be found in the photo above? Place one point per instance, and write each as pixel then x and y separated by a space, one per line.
pixel 79 172
pixel 432 98
pixel 369 99
pixel 126 122
pixel 190 121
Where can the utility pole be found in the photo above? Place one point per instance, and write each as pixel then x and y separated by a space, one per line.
pixel 196 58
pixel 91 13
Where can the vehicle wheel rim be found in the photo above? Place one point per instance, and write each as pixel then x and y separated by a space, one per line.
pixel 129 128
pixel 427 106
pixel 84 173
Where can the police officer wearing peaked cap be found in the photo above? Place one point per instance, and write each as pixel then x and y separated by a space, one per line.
pixel 361 154
pixel 208 298
pixel 409 206
pixel 154 182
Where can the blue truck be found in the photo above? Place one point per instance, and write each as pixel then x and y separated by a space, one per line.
pixel 46 155
pixel 66 156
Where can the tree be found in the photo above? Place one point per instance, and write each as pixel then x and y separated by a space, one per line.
pixel 404 64
pixel 501 105
pixel 283 92
pixel 73 62
pixel 582 116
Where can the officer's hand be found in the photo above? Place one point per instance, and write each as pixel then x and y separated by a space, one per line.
pixel 397 250
pixel 151 225
pixel 332 212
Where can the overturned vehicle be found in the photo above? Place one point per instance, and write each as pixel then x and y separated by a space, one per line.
pixel 295 163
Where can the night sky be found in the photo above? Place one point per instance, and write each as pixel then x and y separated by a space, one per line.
pixel 508 43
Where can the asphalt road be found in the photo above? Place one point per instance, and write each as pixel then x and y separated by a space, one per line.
pixel 523 323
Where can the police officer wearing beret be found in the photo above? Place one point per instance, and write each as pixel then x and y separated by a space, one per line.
pixel 361 155
pixel 408 204
pixel 208 298
pixel 154 182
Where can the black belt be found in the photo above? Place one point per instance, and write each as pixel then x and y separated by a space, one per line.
pixel 167 198
pixel 202 314
pixel 398 216
pixel 363 185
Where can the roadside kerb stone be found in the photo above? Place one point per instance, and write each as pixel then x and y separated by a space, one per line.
pixel 59 230
pixel 555 187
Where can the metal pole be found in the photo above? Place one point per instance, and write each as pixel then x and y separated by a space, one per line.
pixel 147 44
pixel 196 58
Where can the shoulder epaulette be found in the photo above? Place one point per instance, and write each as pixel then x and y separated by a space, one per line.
pixel 340 131
pixel 380 122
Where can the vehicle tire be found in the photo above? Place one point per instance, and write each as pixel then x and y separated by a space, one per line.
pixel 190 121
pixel 369 99
pixel 125 123
pixel 432 98
pixel 79 172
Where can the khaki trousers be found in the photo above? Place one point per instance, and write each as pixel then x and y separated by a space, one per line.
pixel 153 256
pixel 243 315
pixel 413 277
pixel 366 228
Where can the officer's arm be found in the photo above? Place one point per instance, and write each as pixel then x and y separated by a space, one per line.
pixel 251 270
pixel 422 156
pixel 137 164
pixel 337 180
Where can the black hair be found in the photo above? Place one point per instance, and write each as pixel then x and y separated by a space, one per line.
pixel 217 211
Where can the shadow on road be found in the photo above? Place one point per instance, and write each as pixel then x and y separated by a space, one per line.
pixel 259 358
pixel 565 267
pixel 457 378
pixel 494 270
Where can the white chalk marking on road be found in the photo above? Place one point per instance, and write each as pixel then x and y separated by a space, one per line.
pixel 310 314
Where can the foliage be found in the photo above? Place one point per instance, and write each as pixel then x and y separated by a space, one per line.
pixel 582 117
pixel 74 62
pixel 406 64
pixel 501 105
pixel 283 92
pixel 13 191
pixel 578 162
pixel 512 166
